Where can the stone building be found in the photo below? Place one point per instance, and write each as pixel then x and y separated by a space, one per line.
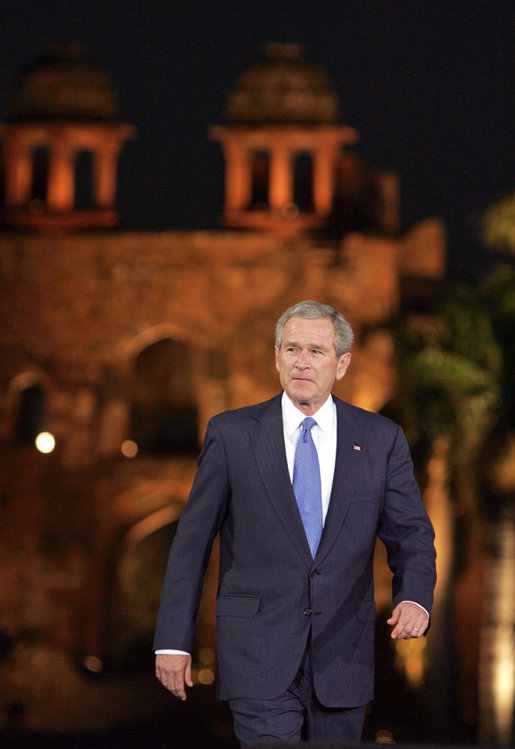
pixel 121 345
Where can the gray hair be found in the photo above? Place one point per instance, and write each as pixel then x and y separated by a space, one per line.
pixel 311 310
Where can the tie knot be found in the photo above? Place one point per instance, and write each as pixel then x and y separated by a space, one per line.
pixel 308 423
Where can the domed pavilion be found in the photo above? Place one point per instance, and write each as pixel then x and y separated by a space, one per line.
pixel 62 139
pixel 282 142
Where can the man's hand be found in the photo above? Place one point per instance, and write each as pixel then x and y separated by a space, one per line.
pixel 174 672
pixel 408 620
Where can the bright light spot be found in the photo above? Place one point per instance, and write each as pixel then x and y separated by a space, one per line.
pixel 205 676
pixel 290 211
pixel 504 672
pixel 94 664
pixel 498 639
pixel 206 656
pixel 45 442
pixel 414 669
pixel 129 449
pixel 409 658
pixel 384 737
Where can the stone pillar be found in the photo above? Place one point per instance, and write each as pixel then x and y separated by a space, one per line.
pixel 323 177
pixel 281 187
pixel 61 177
pixel 18 174
pixel 105 164
pixel 237 176
pixel 389 205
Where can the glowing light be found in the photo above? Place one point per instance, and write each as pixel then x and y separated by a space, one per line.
pixel 384 737
pixel 45 442
pixel 206 656
pixel 129 449
pixel 410 658
pixel 205 676
pixel 290 211
pixel 94 664
pixel 499 639
pixel 504 675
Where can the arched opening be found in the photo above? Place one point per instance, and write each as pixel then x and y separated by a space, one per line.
pixel 40 167
pixel 138 578
pixel 2 181
pixel 84 180
pixel 164 405
pixel 356 199
pixel 260 171
pixel 30 415
pixel 303 181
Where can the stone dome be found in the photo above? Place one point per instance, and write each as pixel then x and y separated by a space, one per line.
pixel 283 87
pixel 63 84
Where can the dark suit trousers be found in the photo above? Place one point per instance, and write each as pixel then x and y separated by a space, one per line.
pixel 295 715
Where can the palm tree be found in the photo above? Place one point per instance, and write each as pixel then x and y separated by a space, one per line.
pixel 454 385
pixel 497 225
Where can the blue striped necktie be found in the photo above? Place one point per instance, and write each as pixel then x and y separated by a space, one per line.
pixel 306 485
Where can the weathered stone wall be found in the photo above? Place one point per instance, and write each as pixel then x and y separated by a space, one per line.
pixel 75 312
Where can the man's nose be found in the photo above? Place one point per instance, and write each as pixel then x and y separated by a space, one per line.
pixel 302 359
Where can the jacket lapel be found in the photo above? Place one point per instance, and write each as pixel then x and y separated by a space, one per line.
pixel 268 444
pixel 349 445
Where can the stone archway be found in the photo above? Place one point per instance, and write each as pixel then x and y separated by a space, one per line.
pixel 138 565
pixel 138 573
pixel 164 412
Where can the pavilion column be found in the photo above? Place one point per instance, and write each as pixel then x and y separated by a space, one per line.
pixel 281 178
pixel 105 166
pixel 323 178
pixel 237 176
pixel 18 174
pixel 61 177
pixel 389 207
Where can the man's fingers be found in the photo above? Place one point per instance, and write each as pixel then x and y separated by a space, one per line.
pixel 187 674
pixel 173 671
pixel 395 616
pixel 407 631
pixel 408 621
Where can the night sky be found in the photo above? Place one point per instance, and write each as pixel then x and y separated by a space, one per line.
pixel 426 83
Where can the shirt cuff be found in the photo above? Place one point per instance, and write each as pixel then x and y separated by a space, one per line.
pixel 171 652
pixel 420 607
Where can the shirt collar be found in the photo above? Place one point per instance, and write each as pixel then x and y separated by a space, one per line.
pixel 293 417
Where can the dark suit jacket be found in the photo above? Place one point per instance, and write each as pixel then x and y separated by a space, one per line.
pixel 271 592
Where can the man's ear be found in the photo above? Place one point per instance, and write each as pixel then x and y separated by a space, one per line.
pixel 343 365
pixel 276 358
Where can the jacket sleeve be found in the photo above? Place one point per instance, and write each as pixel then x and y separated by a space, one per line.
pixel 406 530
pixel 191 547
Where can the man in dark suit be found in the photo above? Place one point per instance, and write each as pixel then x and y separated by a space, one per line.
pixel 299 487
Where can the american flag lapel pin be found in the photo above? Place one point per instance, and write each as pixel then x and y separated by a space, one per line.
pixel 357 447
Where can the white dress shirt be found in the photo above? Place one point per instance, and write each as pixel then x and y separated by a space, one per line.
pixel 324 437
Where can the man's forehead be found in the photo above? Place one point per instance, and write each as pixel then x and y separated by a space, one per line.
pixel 306 322
pixel 301 327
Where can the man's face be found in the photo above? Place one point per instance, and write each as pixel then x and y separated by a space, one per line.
pixel 307 362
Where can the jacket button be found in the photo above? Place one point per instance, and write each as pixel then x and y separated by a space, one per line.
pixel 314 573
pixel 307 612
